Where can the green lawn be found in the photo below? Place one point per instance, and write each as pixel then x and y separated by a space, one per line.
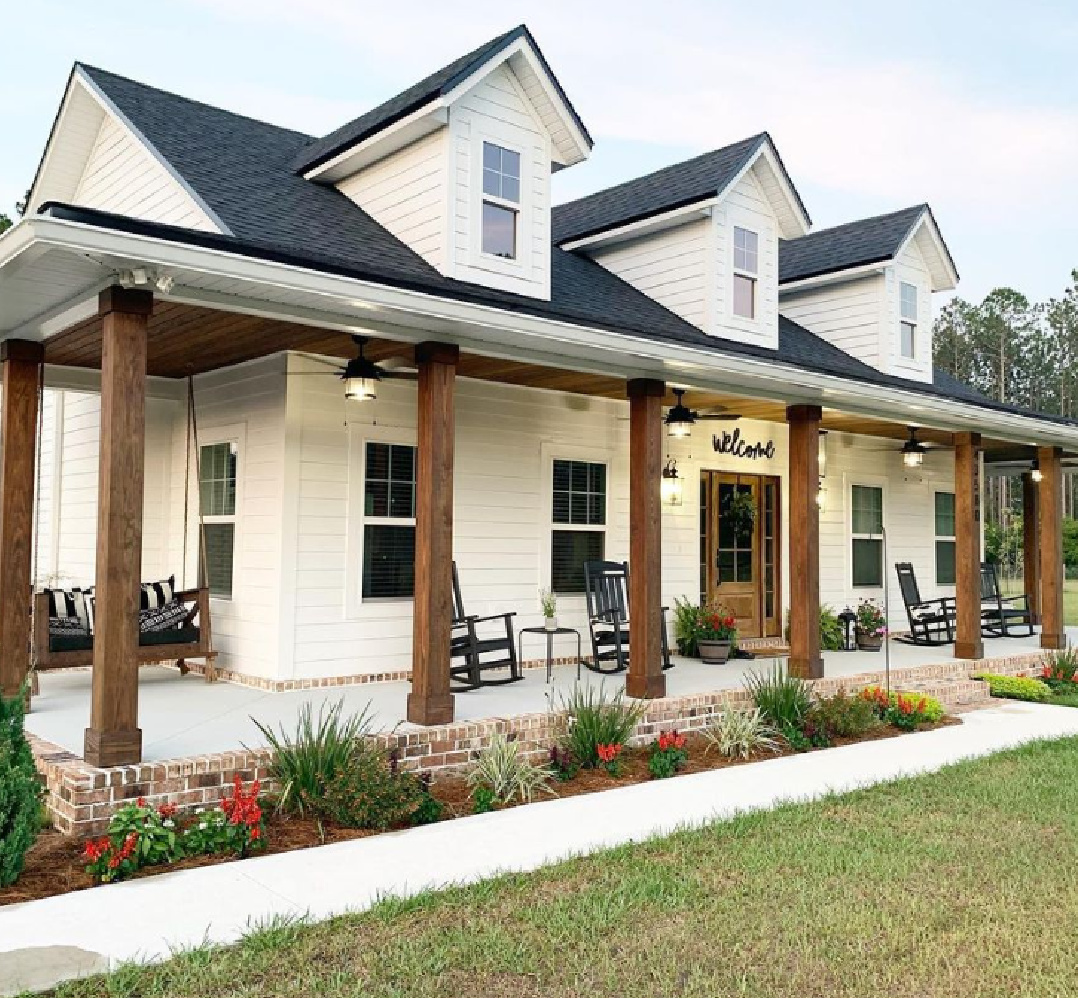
pixel 1070 596
pixel 960 883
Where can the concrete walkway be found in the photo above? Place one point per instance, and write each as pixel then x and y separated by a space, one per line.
pixel 146 918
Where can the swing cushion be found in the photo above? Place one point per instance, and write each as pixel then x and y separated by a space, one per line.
pixel 165 618
pixel 70 604
pixel 66 625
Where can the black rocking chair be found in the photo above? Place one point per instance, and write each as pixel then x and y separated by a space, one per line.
pixel 931 622
pixel 494 651
pixel 606 585
pixel 1002 616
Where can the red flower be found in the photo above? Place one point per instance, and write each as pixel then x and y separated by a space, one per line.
pixel 140 802
pixel 167 810
pixel 608 751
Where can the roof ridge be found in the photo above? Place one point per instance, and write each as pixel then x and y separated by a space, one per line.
pixel 922 207
pixel 79 64
pixel 752 140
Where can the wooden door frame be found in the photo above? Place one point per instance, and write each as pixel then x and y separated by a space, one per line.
pixel 769 627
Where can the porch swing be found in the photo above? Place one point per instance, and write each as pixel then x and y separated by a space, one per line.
pixel 59 646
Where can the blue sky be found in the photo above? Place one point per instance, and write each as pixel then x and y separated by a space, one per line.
pixel 872 108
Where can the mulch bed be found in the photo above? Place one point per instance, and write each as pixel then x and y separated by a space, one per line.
pixel 54 864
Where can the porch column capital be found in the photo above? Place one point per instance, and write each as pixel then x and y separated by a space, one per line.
pixel 435 353
pixel 30 352
pixel 640 387
pixel 132 301
pixel 800 412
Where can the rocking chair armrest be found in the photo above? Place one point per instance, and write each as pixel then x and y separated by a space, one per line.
pixel 1014 599
pixel 506 615
pixel 945 603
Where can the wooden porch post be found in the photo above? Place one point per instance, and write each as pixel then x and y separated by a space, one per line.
pixel 1031 561
pixel 114 737
pixel 1053 634
pixel 968 644
pixel 805 659
pixel 20 370
pixel 430 703
pixel 645 678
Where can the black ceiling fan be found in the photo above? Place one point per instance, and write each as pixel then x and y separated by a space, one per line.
pixel 361 375
pixel 680 419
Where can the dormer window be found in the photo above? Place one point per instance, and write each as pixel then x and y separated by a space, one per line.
pixel 501 200
pixel 907 327
pixel 746 266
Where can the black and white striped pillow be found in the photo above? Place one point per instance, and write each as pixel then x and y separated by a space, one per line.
pixel 157 595
pixel 69 604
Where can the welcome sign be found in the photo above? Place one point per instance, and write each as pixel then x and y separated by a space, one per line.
pixel 732 443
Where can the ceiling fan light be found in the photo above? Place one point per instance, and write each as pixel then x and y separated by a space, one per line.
pixel 913 452
pixel 360 376
pixel 680 419
pixel 360 388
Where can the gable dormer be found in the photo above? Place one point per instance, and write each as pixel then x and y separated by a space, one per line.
pixel 701 237
pixel 867 286
pixel 458 166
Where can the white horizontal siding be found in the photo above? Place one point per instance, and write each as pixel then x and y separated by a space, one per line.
pixel 911 267
pixel 122 176
pixel 406 193
pixel 671 266
pixel 848 315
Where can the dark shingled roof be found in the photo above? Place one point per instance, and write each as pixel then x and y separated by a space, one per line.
pixel 417 96
pixel 241 169
pixel 854 244
pixel 671 187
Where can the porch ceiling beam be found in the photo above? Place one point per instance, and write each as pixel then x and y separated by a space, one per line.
pixel 430 703
pixel 804 534
pixel 968 643
pixel 113 736
pixel 20 373
pixel 1050 528
pixel 645 678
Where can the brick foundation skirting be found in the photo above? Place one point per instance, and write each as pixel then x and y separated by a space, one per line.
pixel 81 798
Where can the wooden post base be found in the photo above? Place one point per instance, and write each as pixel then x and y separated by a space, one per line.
pixel 1053 640
pixel 645 686
pixel 808 669
pixel 972 650
pixel 430 710
pixel 111 749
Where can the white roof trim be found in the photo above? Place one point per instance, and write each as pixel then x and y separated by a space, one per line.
pixel 833 277
pixel 642 227
pixel 793 203
pixel 353 302
pixel 944 276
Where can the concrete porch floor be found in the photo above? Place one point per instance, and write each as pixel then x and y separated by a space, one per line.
pixel 184 716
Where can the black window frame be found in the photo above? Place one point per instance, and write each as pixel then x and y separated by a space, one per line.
pixel 385 526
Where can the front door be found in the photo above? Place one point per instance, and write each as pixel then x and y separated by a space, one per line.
pixel 740 546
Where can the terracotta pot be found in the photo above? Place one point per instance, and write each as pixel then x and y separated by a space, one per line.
pixel 714 650
pixel 869 641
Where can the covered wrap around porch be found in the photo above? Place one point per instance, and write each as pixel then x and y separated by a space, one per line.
pixel 196 328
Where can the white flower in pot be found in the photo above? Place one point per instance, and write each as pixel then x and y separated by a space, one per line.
pixel 548 601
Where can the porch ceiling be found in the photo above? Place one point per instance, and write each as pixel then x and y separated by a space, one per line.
pixel 192 340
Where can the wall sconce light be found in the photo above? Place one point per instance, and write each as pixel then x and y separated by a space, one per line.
pixel 671 484
pixel 1035 473
pixel 821 496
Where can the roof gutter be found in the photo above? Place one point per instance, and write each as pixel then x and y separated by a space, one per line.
pixel 503 329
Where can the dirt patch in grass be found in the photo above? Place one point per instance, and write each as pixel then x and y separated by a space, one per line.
pixel 55 864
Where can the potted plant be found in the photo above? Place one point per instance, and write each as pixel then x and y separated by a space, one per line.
pixel 717 635
pixel 688 620
pixel 871 626
pixel 548 601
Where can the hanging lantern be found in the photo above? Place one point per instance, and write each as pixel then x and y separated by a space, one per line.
pixel 1035 473
pixel 680 419
pixel 913 452
pixel 671 484
pixel 360 376
pixel 849 629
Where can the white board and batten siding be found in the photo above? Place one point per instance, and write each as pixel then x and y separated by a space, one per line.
pixel 852 315
pixel 497 110
pixel 122 176
pixel 406 193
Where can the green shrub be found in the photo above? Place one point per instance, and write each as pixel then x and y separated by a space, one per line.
pixel 831 630
pixel 844 715
pixel 429 810
pixel 307 761
pixel 20 791
pixel 501 767
pixel 739 733
pixel 667 754
pixel 783 700
pixel 1060 669
pixel 903 709
pixel 369 791
pixel 1020 688
pixel 483 799
pixel 598 721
